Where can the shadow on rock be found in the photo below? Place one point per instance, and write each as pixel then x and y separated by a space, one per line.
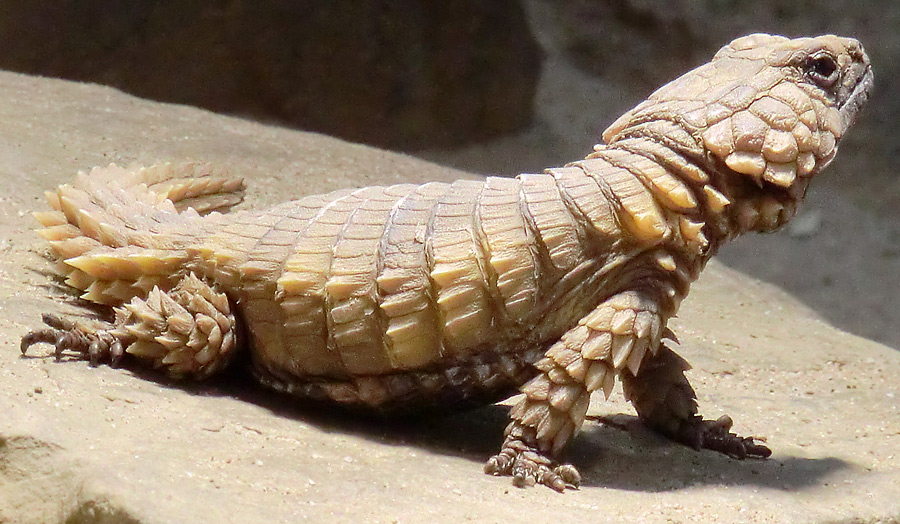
pixel 621 455
pixel 625 456
pixel 470 432
pixel 637 459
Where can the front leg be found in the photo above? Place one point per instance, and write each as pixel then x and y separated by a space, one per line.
pixel 666 402
pixel 614 337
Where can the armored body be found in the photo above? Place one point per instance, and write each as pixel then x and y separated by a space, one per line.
pixel 437 295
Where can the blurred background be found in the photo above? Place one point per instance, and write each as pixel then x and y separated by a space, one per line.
pixel 500 87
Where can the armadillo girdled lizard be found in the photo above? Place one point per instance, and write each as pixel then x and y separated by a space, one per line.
pixel 406 297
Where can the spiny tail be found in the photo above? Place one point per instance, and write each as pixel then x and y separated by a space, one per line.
pixel 117 232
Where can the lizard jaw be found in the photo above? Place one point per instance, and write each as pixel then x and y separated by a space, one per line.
pixel 852 106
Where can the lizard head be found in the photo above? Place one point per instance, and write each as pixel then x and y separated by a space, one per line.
pixel 764 116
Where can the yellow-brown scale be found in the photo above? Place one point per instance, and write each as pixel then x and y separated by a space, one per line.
pixel 407 300
pixel 513 268
pixel 457 272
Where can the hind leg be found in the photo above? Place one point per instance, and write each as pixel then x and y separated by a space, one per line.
pixel 91 341
pixel 666 402
pixel 191 331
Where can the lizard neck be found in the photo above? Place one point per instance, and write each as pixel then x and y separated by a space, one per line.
pixel 665 206
pixel 686 196
pixel 706 194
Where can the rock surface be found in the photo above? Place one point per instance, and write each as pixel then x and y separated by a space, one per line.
pixel 84 445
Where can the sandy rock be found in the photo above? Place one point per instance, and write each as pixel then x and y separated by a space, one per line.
pixel 79 444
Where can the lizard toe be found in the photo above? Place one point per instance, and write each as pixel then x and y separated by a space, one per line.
pixel 69 337
pixel 529 467
pixel 716 435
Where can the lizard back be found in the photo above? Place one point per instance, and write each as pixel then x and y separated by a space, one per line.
pixel 438 284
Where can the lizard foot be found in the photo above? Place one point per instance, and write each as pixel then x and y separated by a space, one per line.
pixel 528 467
pixel 86 342
pixel 717 436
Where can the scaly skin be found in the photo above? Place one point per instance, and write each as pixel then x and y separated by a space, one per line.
pixel 405 297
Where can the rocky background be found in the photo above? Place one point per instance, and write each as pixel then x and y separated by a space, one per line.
pixel 398 74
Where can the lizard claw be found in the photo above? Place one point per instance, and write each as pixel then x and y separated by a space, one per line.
pixel 86 342
pixel 528 467
pixel 716 435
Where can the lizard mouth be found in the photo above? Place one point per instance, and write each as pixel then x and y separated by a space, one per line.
pixel 857 98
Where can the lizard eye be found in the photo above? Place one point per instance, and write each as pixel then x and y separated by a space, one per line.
pixel 822 69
